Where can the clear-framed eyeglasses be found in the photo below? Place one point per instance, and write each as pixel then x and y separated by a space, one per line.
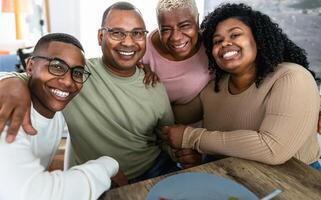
pixel 59 67
pixel 120 34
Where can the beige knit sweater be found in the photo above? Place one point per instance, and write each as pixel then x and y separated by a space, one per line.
pixel 269 124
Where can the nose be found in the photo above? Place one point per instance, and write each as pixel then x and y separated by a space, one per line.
pixel 226 43
pixel 66 79
pixel 176 35
pixel 128 40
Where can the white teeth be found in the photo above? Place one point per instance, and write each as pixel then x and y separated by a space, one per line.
pixel 179 46
pixel 126 53
pixel 229 54
pixel 60 93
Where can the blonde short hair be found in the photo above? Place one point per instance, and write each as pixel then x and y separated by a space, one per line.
pixel 170 5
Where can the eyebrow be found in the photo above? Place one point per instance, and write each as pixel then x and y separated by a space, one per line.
pixel 185 21
pixel 180 23
pixel 229 30
pixel 61 60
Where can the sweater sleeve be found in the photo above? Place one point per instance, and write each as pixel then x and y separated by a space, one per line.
pixel 23 177
pixel 290 119
pixel 5 75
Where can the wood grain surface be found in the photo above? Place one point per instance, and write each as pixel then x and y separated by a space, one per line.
pixel 296 179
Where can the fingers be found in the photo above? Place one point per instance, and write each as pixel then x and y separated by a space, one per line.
pixel 319 124
pixel 174 135
pixel 140 65
pixel 5 113
pixel 27 125
pixel 147 72
pixel 155 80
pixel 14 102
pixel 15 124
pixel 120 178
pixel 164 135
pixel 150 79
pixel 165 129
pixel 184 152
pixel 147 79
pixel 188 157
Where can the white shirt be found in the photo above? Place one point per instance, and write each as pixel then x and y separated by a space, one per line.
pixel 23 166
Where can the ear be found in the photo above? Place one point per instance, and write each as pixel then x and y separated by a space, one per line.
pixel 29 66
pixel 100 36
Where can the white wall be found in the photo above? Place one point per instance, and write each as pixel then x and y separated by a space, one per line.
pixel 65 16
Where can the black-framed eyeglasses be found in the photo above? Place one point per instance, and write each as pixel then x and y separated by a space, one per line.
pixel 120 34
pixel 59 67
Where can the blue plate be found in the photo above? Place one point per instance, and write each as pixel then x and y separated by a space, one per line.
pixel 198 186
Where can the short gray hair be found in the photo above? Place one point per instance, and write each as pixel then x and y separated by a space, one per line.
pixel 169 5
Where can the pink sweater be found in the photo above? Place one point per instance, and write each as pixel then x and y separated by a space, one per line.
pixel 183 79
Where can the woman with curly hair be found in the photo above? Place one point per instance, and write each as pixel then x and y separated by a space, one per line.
pixel 263 102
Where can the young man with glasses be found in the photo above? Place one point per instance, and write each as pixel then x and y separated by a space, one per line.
pixel 56 74
pixel 115 114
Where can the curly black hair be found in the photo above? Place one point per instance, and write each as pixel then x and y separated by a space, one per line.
pixel 273 46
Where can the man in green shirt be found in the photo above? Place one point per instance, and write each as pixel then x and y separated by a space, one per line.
pixel 115 114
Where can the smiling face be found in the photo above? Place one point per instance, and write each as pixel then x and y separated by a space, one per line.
pixel 178 30
pixel 234 47
pixel 50 93
pixel 121 56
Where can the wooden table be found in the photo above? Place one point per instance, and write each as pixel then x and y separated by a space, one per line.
pixel 297 180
